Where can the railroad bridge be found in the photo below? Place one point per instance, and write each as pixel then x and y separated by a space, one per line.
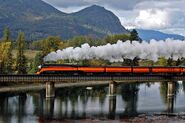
pixel 50 80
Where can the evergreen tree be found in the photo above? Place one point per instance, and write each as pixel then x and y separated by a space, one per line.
pixel 37 61
pixel 6 35
pixel 134 36
pixel 170 61
pixel 21 59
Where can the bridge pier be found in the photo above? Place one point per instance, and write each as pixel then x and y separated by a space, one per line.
pixel 170 96
pixel 112 88
pixel 50 89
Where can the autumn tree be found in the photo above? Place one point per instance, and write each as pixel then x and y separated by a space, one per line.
pixel 6 61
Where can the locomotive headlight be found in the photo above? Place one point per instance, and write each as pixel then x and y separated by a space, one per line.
pixel 39 67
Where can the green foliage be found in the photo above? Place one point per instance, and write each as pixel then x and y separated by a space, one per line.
pixel 37 61
pixel 161 62
pixel 112 39
pixel 134 36
pixel 6 35
pixel 6 60
pixel 5 57
pixel 51 43
pixel 146 62
pixel 79 40
pixel 21 65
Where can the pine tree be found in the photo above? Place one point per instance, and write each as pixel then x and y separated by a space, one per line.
pixel 37 61
pixel 6 35
pixel 134 36
pixel 21 59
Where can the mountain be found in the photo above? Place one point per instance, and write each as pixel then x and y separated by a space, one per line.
pixel 157 35
pixel 100 19
pixel 39 20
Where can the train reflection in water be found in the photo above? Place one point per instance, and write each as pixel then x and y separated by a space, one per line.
pixel 128 100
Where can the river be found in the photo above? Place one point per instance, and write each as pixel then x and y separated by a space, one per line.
pixel 135 101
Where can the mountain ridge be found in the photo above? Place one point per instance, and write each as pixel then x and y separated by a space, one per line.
pixel 148 35
pixel 39 20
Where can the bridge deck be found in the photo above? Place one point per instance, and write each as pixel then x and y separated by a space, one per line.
pixel 57 78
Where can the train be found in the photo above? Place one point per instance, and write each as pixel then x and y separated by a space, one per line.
pixel 64 69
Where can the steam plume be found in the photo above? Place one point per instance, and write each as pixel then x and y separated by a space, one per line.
pixel 116 52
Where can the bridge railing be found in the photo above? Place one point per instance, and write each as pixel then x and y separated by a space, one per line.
pixel 59 78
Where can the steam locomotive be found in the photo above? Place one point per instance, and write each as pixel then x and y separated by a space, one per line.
pixel 107 70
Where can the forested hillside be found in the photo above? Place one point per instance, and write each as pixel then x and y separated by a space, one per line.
pixel 39 20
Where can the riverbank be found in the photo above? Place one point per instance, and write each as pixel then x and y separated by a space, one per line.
pixel 139 119
pixel 41 86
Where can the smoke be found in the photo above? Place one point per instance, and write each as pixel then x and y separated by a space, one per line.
pixel 116 52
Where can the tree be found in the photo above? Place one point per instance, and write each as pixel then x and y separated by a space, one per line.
pixel 162 61
pixel 6 35
pixel 8 59
pixel 134 36
pixel 112 39
pixel 20 58
pixel 170 61
pixel 37 61
pixel 6 53
pixel 50 44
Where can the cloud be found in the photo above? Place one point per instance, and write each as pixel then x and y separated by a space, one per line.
pixel 152 18
pixel 129 4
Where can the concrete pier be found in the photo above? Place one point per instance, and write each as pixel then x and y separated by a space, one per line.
pixel 112 88
pixel 170 97
pixel 50 90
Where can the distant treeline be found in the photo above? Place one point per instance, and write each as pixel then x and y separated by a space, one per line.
pixel 20 64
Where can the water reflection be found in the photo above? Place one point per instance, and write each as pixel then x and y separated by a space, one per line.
pixel 129 94
pixel 169 91
pixel 128 100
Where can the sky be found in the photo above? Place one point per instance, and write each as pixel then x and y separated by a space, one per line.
pixel 163 15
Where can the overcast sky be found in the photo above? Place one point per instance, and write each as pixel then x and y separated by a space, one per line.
pixel 164 15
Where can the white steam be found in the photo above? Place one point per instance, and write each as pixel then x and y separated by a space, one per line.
pixel 116 52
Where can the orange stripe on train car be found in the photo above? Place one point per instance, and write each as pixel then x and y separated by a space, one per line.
pixel 141 70
pixel 120 70
pixel 59 69
pixel 166 70
pixel 91 69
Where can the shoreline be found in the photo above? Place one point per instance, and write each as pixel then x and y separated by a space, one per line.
pixel 42 86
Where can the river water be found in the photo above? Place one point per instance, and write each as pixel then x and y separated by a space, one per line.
pixel 95 103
